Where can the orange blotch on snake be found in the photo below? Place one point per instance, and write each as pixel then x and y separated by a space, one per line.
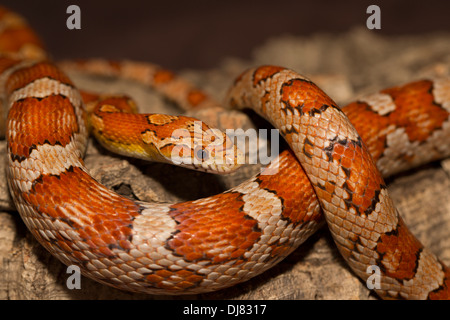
pixel 104 226
pixel 195 97
pixel 303 94
pixel 400 252
pixel 33 130
pixel 292 186
pixel 24 76
pixel 415 104
pixel 363 180
pixel 230 231
pixel 265 72
pixel 163 76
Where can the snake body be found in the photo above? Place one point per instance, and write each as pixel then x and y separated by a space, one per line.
pixel 216 242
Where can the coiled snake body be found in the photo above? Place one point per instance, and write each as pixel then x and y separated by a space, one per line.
pixel 216 242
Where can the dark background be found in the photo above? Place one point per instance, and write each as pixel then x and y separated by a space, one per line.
pixel 199 34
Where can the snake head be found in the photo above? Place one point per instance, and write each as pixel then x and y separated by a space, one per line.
pixel 197 146
pixel 179 140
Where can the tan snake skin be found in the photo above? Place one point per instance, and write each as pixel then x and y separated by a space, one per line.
pixel 216 242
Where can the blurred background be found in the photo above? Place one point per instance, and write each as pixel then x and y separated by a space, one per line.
pixel 200 34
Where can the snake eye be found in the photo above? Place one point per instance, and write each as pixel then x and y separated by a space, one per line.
pixel 201 154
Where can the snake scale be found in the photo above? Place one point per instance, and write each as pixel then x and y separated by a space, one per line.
pixel 216 242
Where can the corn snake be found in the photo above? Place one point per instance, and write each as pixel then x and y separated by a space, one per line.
pixel 267 185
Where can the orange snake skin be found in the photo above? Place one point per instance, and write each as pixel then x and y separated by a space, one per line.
pixel 216 242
